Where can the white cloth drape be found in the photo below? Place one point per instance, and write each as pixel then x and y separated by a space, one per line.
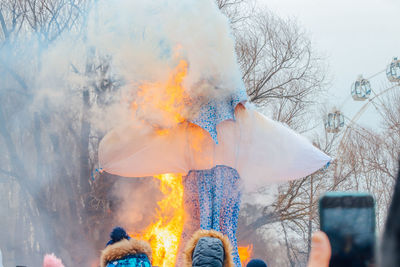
pixel 260 149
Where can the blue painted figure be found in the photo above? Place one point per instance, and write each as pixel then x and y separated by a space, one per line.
pixel 219 110
pixel 212 202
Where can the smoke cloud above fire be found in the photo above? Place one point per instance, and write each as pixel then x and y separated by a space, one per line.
pixel 62 89
pixel 143 44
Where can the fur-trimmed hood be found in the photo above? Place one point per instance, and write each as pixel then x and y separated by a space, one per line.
pixel 191 245
pixel 124 248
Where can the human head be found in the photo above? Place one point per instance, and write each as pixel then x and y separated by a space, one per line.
pixel 117 234
pixel 256 263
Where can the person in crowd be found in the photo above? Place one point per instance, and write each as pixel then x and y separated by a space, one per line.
pixel 390 248
pixel 122 250
pixel 319 256
pixel 389 255
pixel 256 263
pixel 208 248
pixel 320 250
pixel 50 260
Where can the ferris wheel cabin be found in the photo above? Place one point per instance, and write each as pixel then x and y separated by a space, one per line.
pixel 393 71
pixel 361 89
pixel 334 122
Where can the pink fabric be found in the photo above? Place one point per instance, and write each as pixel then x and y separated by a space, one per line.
pixel 50 260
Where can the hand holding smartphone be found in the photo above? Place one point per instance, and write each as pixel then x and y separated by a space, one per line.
pixel 349 221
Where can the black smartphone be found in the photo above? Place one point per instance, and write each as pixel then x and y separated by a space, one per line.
pixel 349 221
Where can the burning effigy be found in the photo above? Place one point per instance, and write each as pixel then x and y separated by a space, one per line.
pixel 188 121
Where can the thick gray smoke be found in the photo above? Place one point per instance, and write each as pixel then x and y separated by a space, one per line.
pixel 144 42
pixel 69 72
pixel 137 203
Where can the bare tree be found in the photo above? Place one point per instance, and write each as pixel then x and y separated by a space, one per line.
pixel 366 160
pixel 46 19
pixel 284 76
pixel 47 151
pixel 280 68
pixel 236 10
pixel 49 154
pixel 374 156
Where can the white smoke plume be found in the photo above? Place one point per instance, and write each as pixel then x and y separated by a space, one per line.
pixel 144 42
pixel 117 47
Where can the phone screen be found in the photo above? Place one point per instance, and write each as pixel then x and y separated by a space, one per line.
pixel 349 222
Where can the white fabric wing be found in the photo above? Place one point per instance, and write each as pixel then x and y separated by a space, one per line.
pixel 265 151
pixel 260 149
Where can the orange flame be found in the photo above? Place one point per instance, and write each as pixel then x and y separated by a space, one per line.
pixel 164 234
pixel 245 254
pixel 166 100
pixel 169 98
pixel 176 92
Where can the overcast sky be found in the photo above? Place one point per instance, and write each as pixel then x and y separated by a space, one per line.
pixel 357 36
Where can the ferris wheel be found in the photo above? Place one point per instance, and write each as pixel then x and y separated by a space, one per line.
pixel 361 90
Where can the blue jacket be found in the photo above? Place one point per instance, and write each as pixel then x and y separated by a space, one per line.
pixel 139 260
pixel 124 253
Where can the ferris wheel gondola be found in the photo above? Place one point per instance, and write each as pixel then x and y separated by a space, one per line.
pixel 393 71
pixel 334 122
pixel 361 89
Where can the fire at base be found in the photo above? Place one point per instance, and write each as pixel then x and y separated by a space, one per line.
pixel 164 234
